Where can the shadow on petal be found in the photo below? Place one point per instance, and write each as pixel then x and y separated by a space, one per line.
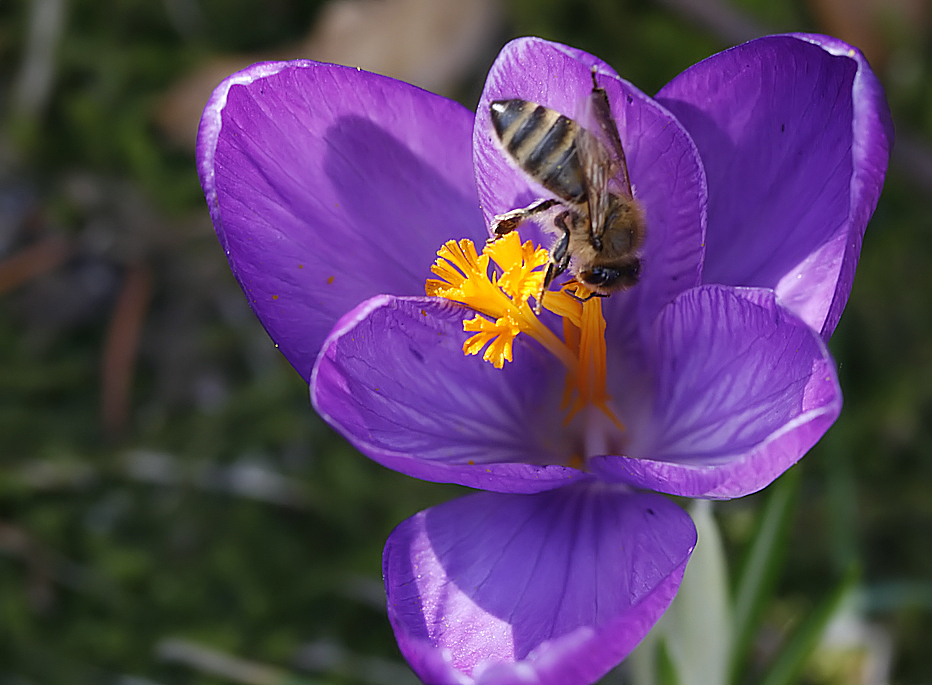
pixel 327 186
pixel 399 209
pixel 743 388
pixel 795 134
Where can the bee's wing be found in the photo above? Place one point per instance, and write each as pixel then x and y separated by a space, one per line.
pixel 597 171
pixel 598 119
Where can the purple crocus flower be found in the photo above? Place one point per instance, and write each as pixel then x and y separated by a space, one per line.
pixel 332 191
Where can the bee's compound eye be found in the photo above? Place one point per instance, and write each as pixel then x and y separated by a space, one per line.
pixel 616 277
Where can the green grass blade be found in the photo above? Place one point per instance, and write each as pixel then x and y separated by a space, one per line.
pixel 791 660
pixel 761 567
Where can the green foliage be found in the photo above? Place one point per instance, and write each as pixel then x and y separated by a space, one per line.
pixel 789 665
pixel 225 517
pixel 644 43
pixel 760 569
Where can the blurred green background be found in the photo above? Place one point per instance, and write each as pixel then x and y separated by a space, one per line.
pixel 171 509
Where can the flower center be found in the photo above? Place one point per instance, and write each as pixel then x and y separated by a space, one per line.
pixel 500 298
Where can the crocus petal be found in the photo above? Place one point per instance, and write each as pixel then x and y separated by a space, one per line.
pixel 328 185
pixel 795 133
pixel 393 379
pixel 663 163
pixel 742 389
pixel 552 588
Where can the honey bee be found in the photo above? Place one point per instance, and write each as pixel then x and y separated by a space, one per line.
pixel 600 225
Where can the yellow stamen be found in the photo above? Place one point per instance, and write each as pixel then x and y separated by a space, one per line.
pixel 464 278
pixel 499 335
pixel 501 300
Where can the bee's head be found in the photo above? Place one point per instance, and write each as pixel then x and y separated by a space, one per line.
pixel 607 278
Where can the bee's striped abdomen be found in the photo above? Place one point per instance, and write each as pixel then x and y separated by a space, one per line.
pixel 543 143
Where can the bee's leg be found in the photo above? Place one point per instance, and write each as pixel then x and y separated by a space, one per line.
pixel 585 298
pixel 509 221
pixel 560 253
pixel 559 258
pixel 548 277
